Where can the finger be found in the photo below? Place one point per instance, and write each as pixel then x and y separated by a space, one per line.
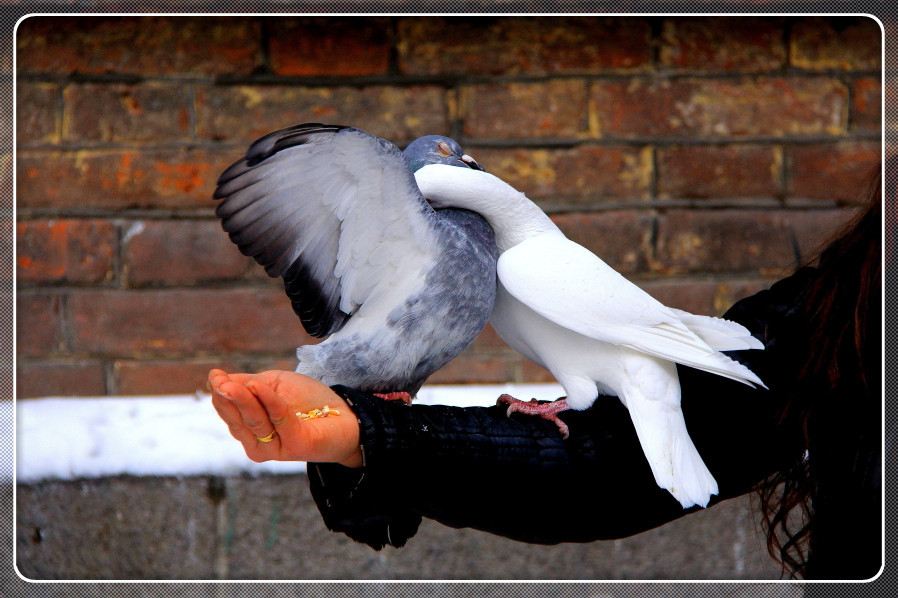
pixel 252 414
pixel 231 415
pixel 276 408
pixel 215 378
pixel 293 433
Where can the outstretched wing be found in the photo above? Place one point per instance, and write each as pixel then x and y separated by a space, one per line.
pixel 569 285
pixel 332 210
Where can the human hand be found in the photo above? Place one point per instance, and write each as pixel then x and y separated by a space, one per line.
pixel 254 405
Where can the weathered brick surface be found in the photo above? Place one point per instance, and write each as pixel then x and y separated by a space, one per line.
pixel 730 108
pixel 119 179
pixel 66 251
pixel 836 171
pixel 138 45
pixel 60 379
pixel 39 324
pixel 688 152
pixel 866 105
pixel 174 322
pixel 844 43
pixel 472 367
pixel 41 121
pixel 621 238
pixel 123 112
pixel 583 175
pixel 243 113
pixel 712 171
pixel 166 377
pixel 754 44
pixel 484 46
pixel 554 108
pixel 321 46
pixel 179 252
pixel 709 297
pixel 762 242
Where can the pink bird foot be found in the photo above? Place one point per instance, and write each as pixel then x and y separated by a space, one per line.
pixel 547 411
pixel 395 396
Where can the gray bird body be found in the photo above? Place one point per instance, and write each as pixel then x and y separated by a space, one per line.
pixel 398 288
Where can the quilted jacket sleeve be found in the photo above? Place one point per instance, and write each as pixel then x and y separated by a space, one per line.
pixel 476 467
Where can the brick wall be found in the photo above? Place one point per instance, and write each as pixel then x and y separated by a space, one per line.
pixel 696 155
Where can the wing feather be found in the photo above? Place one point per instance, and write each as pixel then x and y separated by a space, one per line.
pixel 331 210
pixel 572 287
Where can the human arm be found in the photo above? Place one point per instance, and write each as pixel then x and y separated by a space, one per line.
pixel 516 477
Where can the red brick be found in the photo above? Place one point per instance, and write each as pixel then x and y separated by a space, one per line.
pixel 488 339
pixel 472 367
pixel 622 239
pixel 168 323
pixel 554 108
pixel 836 171
pixel 145 112
pixel 66 251
pixel 719 171
pixel 60 379
pixel 836 43
pixel 817 228
pixel 578 176
pixel 119 179
pixel 703 297
pixel 760 106
pixel 329 46
pixel 740 241
pixel 245 113
pixel 512 45
pixel 38 324
pixel 535 374
pixel 723 43
pixel 37 114
pixel 263 363
pixel 179 252
pixel 165 377
pixel 139 45
pixel 866 105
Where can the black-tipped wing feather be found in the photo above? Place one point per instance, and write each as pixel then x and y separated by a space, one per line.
pixel 331 210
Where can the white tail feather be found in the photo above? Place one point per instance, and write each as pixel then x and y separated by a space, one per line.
pixel 720 334
pixel 675 462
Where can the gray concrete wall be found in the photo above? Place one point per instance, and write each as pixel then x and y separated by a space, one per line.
pixel 268 528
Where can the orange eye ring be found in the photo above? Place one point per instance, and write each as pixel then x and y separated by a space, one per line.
pixel 444 149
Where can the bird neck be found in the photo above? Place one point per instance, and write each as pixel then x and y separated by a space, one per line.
pixel 512 216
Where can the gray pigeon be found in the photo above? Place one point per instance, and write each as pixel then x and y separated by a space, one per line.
pixel 398 287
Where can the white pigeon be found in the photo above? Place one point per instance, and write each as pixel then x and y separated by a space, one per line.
pixel 561 306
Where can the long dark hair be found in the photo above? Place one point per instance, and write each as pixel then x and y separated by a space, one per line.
pixel 842 308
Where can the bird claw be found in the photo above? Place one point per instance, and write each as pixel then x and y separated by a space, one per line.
pixel 547 411
pixel 394 396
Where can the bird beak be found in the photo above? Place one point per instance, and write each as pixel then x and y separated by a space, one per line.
pixel 471 162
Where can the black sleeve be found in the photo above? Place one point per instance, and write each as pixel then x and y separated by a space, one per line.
pixel 516 477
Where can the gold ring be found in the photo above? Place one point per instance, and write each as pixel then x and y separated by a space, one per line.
pixel 268 438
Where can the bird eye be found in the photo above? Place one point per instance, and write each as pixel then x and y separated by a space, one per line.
pixel 444 149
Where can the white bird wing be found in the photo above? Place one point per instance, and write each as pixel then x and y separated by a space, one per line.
pixel 572 287
pixel 332 210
